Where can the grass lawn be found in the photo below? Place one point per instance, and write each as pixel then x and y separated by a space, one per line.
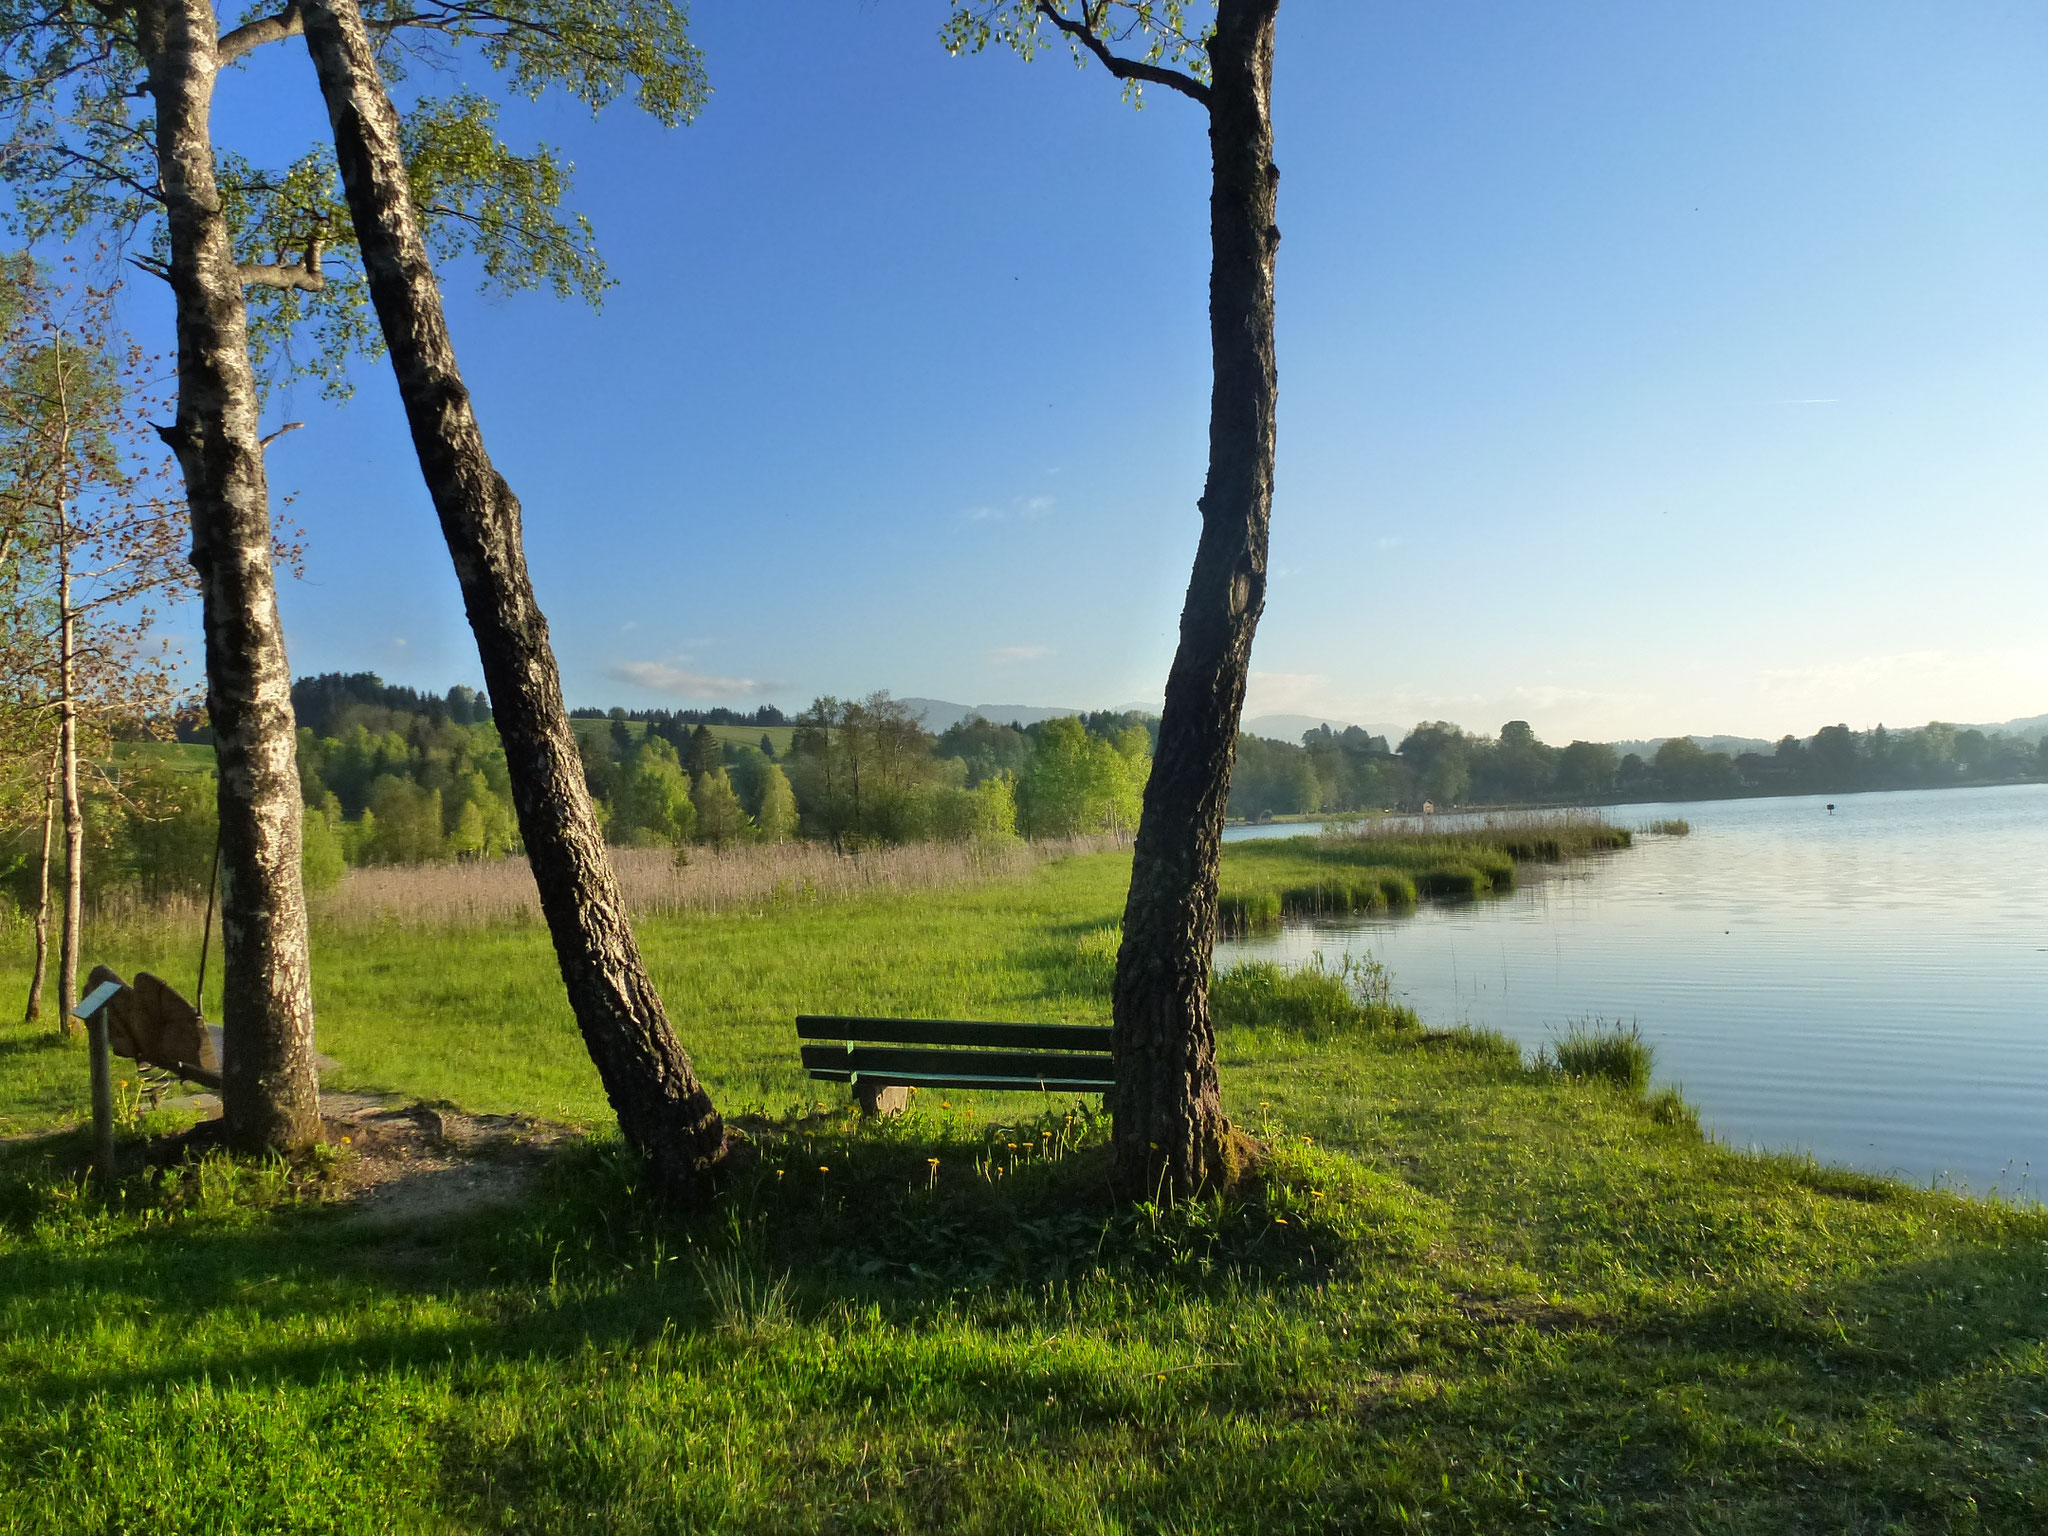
pixel 1465 1294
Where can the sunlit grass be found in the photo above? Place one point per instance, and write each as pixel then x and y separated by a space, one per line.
pixel 1465 1292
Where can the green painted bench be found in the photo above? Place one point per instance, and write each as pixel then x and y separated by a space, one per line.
pixel 885 1058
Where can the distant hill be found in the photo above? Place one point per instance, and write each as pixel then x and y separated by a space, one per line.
pixel 1292 727
pixel 1734 746
pixel 2030 725
pixel 940 714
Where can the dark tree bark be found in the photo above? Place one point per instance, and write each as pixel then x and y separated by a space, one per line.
pixel 1169 1128
pixel 663 1110
pixel 269 1093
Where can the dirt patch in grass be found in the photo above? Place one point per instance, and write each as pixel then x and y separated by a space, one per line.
pixel 421 1162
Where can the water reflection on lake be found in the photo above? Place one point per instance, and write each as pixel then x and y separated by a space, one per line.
pixel 1870 984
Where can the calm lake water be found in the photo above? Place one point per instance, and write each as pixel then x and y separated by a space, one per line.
pixel 1869 985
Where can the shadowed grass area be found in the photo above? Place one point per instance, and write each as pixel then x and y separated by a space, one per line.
pixel 1464 1292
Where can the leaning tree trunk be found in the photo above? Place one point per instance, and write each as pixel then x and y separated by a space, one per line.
pixel 270 1096
pixel 663 1110
pixel 1169 1129
pixel 34 1009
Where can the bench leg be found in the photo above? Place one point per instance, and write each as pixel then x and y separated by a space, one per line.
pixel 878 1103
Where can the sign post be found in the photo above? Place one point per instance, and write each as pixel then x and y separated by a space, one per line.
pixel 93 1009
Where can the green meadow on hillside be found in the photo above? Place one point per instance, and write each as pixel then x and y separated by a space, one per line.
pixel 737 735
pixel 1466 1291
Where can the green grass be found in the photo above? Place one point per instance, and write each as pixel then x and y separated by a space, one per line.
pixel 1387 868
pixel 184 756
pixel 1597 1050
pixel 1467 1293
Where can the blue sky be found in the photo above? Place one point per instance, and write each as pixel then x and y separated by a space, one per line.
pixel 1643 370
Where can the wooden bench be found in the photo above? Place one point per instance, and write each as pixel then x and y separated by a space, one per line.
pixel 885 1058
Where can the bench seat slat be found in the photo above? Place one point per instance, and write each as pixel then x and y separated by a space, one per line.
pixel 986 1084
pixel 1026 1037
pixel 872 1060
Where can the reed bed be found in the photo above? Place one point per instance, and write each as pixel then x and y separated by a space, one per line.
pixel 502 890
pixel 1388 863
pixel 1534 836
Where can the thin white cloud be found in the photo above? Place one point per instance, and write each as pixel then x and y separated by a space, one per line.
pixel 1015 655
pixel 1387 541
pixel 660 677
pixel 1021 509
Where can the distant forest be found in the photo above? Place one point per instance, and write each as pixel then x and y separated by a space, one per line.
pixel 393 775
pixel 1337 771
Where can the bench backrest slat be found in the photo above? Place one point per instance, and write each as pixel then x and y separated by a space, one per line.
pixel 1024 1037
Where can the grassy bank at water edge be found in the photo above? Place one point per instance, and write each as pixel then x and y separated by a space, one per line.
pixel 1388 864
pixel 1466 1292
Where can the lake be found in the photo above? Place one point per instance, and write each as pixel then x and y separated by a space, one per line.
pixel 1870 984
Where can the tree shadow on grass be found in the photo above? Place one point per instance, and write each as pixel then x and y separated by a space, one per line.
pixel 874 1305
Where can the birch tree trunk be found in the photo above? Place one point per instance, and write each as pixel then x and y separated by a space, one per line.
pixel 67 781
pixel 1169 1127
pixel 664 1111
pixel 269 1094
pixel 34 1010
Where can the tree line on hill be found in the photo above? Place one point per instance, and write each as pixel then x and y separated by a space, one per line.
pixel 392 775
pixel 396 776
pixel 1439 763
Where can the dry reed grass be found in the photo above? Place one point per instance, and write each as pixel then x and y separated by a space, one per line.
pixel 1494 825
pixel 497 890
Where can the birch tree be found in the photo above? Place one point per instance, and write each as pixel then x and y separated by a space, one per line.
pixel 107 109
pixel 1169 1127
pixel 93 541
pixel 663 1109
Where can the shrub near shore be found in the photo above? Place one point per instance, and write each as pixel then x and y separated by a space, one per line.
pixel 1466 1292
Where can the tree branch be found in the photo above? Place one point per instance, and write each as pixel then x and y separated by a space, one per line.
pixel 1122 68
pixel 247 38
pixel 290 426
pixel 266 275
pixel 306 277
